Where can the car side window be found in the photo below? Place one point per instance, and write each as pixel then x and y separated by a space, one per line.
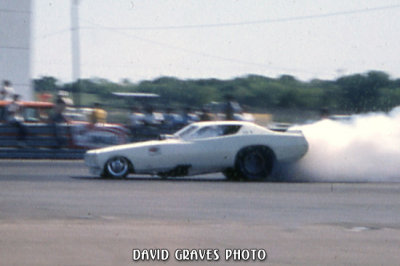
pixel 186 132
pixel 216 131
pixel 207 132
pixel 230 129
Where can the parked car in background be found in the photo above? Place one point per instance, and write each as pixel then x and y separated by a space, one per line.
pixel 31 111
pixel 78 131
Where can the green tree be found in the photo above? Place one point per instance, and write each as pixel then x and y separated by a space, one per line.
pixel 46 84
pixel 361 92
pixel 371 91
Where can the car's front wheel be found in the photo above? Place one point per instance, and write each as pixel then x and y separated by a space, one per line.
pixel 255 163
pixel 117 167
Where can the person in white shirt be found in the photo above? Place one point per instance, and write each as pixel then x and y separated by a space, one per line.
pixel 149 118
pixel 14 117
pixel 7 91
pixel 135 120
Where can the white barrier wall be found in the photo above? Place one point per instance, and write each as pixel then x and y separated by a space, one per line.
pixel 15 45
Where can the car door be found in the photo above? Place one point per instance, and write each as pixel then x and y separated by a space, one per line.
pixel 208 151
pixel 215 150
pixel 213 153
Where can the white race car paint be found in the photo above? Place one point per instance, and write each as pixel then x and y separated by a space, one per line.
pixel 203 147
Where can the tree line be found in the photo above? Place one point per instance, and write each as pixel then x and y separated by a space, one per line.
pixel 356 93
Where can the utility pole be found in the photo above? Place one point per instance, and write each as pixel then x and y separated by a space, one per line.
pixel 76 64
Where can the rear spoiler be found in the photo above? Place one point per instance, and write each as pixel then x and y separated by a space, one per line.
pixel 280 127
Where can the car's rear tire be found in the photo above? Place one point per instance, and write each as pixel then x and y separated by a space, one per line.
pixel 255 163
pixel 117 167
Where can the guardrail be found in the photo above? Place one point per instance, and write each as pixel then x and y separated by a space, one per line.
pixel 33 153
pixel 40 143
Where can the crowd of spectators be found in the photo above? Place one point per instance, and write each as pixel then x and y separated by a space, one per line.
pixel 170 119
pixel 138 121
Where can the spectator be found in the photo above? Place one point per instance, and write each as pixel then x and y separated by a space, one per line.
pixel 149 118
pixel 7 91
pixel 61 103
pixel 324 113
pixel 98 115
pixel 228 108
pixel 205 115
pixel 231 107
pixel 136 119
pixel 14 118
pixel 188 117
pixel 64 96
pixel 170 118
pixel 58 118
pixel 59 108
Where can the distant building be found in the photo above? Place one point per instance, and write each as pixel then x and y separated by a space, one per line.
pixel 15 45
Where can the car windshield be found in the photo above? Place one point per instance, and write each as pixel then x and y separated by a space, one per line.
pixel 197 132
pixel 186 131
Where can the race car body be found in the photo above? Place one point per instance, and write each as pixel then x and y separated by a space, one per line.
pixel 241 150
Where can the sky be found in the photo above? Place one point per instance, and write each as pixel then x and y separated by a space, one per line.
pixel 192 39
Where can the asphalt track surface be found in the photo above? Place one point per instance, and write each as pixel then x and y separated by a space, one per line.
pixel 55 213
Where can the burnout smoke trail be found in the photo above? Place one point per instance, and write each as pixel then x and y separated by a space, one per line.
pixel 363 148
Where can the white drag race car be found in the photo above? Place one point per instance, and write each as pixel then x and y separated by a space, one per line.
pixel 240 150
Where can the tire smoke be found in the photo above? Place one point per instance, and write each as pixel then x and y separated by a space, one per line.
pixel 364 148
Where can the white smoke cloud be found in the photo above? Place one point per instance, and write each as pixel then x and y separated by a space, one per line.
pixel 363 148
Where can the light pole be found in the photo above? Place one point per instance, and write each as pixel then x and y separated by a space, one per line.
pixel 76 64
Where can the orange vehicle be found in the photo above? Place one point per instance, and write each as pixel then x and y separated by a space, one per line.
pixel 31 111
